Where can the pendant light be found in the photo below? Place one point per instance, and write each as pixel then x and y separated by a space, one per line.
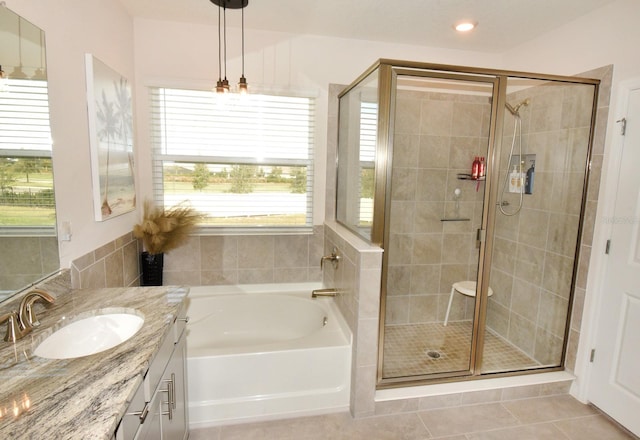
pixel 40 73
pixel 225 81
pixel 219 85
pixel 222 85
pixel 18 73
pixel 4 87
pixel 242 84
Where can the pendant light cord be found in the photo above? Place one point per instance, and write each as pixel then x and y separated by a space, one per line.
pixel 242 41
pixel 219 48
pixel 225 41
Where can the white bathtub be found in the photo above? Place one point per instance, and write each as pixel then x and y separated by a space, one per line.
pixel 258 352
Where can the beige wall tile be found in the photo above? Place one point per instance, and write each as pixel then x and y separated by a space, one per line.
pixel 114 267
pixel 403 184
pixel 427 248
pixel 522 333
pixel 94 276
pixel 436 117
pixel 428 217
pixel 255 252
pixel 434 151
pixel 425 278
pixel 525 300
pixel 406 148
pixel 431 185
pixel 423 308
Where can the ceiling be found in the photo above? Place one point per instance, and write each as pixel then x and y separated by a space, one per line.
pixel 503 24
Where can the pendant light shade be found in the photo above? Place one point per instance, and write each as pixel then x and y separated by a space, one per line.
pixel 222 85
pixel 3 81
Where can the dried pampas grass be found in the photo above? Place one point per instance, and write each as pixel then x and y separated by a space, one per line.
pixel 163 230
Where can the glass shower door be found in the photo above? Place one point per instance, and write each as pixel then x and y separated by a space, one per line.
pixel 440 145
pixel 540 197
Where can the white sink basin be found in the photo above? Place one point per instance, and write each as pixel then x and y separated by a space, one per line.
pixel 89 335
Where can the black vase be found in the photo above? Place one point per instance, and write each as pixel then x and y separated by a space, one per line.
pixel 151 265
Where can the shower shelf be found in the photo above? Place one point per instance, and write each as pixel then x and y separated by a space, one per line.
pixel 455 219
pixel 468 177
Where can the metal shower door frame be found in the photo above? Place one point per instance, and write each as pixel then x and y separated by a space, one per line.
pixel 384 156
pixel 389 70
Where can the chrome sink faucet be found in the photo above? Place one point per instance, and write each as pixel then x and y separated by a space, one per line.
pixel 22 322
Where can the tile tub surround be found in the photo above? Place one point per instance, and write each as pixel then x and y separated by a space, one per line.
pixel 82 398
pixel 207 260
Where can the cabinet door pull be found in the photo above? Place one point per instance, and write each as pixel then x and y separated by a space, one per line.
pixel 141 414
pixel 172 396
pixel 185 319
pixel 171 391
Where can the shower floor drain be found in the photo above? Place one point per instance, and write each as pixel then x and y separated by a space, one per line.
pixel 433 354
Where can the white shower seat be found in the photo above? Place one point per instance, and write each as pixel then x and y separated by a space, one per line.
pixel 467 288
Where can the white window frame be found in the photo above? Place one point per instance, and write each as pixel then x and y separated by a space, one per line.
pixel 160 157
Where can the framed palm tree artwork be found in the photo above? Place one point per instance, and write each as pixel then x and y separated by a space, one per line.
pixel 111 140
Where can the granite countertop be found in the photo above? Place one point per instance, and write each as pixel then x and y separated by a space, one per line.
pixel 81 398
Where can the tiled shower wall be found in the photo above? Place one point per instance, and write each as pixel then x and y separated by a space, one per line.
pixel 534 250
pixel 436 137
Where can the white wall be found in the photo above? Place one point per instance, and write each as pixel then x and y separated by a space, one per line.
pixel 608 35
pixel 73 28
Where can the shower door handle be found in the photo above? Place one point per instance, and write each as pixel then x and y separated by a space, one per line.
pixel 481 235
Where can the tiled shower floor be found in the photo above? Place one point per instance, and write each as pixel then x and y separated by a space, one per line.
pixel 406 347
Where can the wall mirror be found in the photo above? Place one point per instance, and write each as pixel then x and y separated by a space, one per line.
pixel 27 206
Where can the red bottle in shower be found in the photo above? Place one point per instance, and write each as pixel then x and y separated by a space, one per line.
pixel 482 168
pixel 475 168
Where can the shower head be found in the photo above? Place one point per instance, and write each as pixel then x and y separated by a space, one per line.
pixel 514 109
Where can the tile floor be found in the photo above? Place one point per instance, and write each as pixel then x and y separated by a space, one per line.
pixel 558 417
pixel 406 347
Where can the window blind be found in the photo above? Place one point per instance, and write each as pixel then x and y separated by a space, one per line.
pixel 368 137
pixel 368 131
pixel 24 118
pixel 255 153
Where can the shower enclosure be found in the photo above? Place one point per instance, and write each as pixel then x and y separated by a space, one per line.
pixel 467 175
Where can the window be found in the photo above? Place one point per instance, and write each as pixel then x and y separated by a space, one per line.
pixel 368 136
pixel 26 177
pixel 243 161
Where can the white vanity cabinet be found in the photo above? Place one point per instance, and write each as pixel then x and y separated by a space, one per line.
pixel 159 408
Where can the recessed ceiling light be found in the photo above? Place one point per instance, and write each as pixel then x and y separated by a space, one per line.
pixel 465 26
